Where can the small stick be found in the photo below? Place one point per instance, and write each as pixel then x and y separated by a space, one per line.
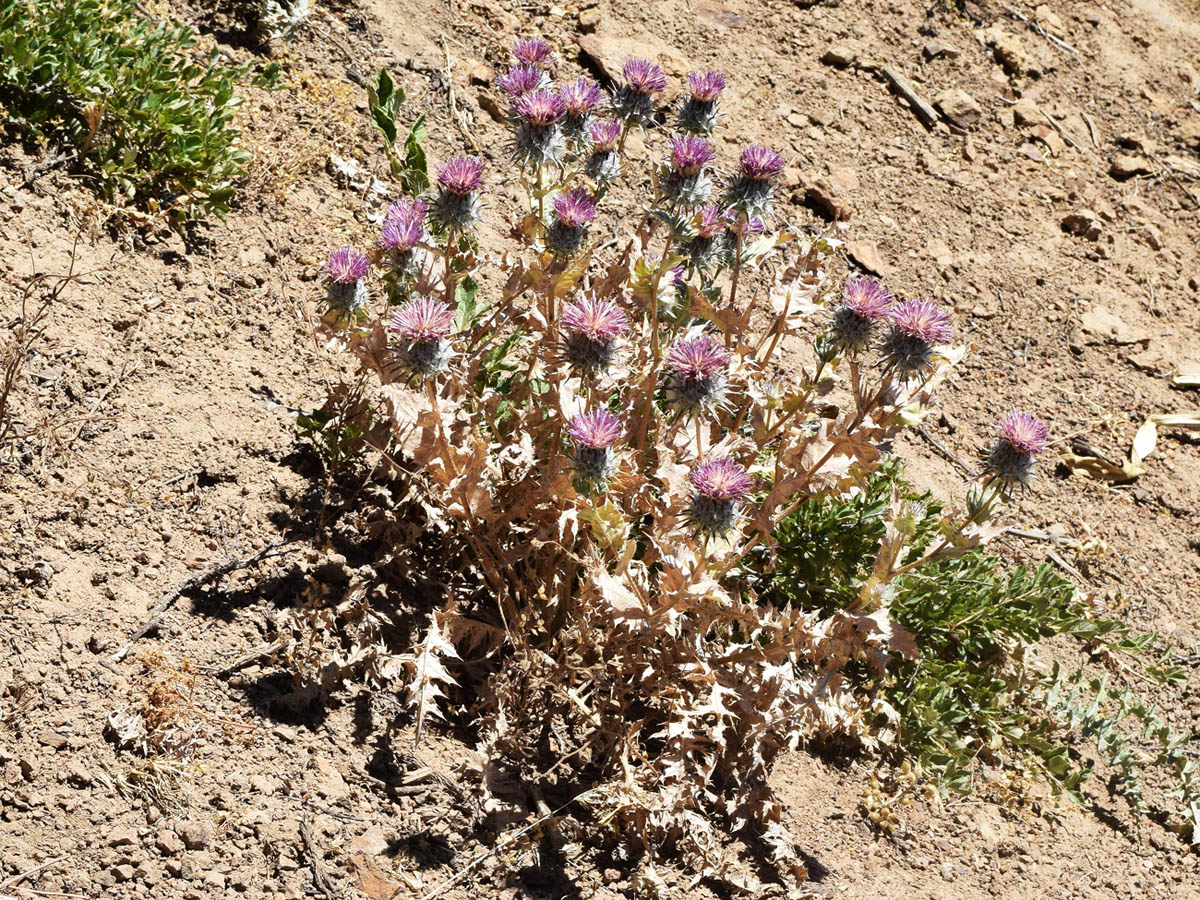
pixel 277 548
pixel 1087 120
pixel 264 651
pixel 943 451
pixel 17 879
pixel 320 879
pixel 920 107
pixel 1066 137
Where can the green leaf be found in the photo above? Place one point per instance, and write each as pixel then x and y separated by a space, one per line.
pixel 464 297
pixel 414 176
pixel 383 101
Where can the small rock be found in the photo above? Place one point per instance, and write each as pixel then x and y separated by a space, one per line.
pixel 123 872
pixel 842 54
pixel 1100 323
pixel 1127 165
pixel 480 73
pixel 1050 22
pixel 935 48
pixel 1052 139
pixel 1026 113
pixel 51 739
pixel 1010 52
pixel 589 20
pixel 168 842
pixel 1152 236
pixel 122 837
pixel 1083 223
pixel 830 194
pixel 195 835
pixel 866 254
pixel 959 107
pixel 490 105
pixel 215 880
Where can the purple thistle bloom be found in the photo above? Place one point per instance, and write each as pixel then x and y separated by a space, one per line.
pixel 718 488
pixel 721 479
pixel 591 329
pixel 706 86
pixel 533 52
pixel 605 134
pixel 916 325
pixel 866 305
pixel 697 358
pixel 1023 432
pixel 746 226
pixel 697 373
pixel 461 175
pixel 581 96
pixel 643 77
pixel 759 163
pixel 422 319
pixel 520 80
pixel 599 320
pixel 921 319
pixel 712 221
pixel 1020 438
pixel 690 154
pixel 540 107
pixel 575 207
pixel 597 429
pixel 347 265
pixel 403 227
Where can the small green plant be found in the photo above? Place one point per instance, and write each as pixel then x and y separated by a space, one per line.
pixel 970 694
pixel 127 101
pixel 407 161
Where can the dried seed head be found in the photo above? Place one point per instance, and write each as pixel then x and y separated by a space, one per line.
pixel 520 80
pixel 533 52
pixel 719 486
pixel 1020 439
pixel 916 326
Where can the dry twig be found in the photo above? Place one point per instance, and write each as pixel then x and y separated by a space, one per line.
pixel 320 878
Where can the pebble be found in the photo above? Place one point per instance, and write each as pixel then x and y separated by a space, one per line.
pixel 168 842
pixel 1126 165
pixel 195 835
pixel 959 107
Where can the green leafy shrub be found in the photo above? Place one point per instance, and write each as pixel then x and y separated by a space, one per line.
pixel 147 121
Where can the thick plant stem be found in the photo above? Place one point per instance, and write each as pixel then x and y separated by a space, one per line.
pixel 733 286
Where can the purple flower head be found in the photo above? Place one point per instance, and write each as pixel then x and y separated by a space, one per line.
pixel 679 278
pixel 1023 433
pixel 721 479
pixel 697 358
pixel 921 319
pixel 868 298
pixel 690 154
pixel 347 265
pixel 711 221
pixel 596 319
pixel 520 80
pixel 403 227
pixel 706 86
pixel 598 429
pixel 575 208
pixel 540 107
pixel 422 319
pixel 605 134
pixel 533 52
pixel 461 175
pixel 644 77
pixel 581 96
pixel 746 226
pixel 759 163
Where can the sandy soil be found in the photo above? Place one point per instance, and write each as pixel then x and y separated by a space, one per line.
pixel 1061 223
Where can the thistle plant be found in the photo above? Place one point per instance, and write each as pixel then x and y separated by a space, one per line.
pixel 602 435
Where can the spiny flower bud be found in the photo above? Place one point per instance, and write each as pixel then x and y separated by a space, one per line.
pixel 697 373
pixel 858 316
pixel 346 288
pixel 591 329
pixel 520 80
pixel 708 250
pixel 750 190
pixel 539 139
pixel 719 486
pixel 1020 439
pixel 604 163
pixel 683 180
pixel 457 205
pixel 916 327
pixel 573 212
pixel 634 100
pixel 594 433
pixel 698 113
pixel 423 324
